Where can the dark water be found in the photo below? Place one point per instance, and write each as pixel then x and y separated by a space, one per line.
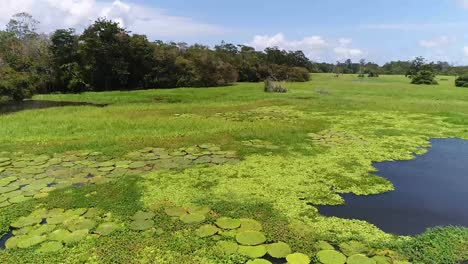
pixel 430 191
pixel 12 107
pixel 4 239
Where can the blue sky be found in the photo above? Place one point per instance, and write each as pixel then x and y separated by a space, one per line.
pixel 326 30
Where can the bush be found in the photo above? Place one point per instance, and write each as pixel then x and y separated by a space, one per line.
pixel 287 73
pixel 424 77
pixel 462 81
pixel 15 85
pixel 372 74
pixel 298 74
pixel 274 86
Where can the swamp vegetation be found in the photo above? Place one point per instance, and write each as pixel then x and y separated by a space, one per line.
pixel 220 175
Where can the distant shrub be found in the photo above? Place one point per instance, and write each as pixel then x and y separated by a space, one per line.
pixel 462 81
pixel 424 77
pixel 372 74
pixel 286 73
pixel 361 76
pixel 15 85
pixel 274 86
pixel 298 74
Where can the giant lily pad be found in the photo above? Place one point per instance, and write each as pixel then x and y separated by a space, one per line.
pixel 250 225
pixel 259 261
pixel 141 225
pixel 279 250
pixel 29 241
pixel 353 247
pixel 360 259
pixel 106 229
pixel 227 247
pixel 12 242
pixel 228 223
pixel 175 211
pixel 329 256
pixel 76 236
pixel 50 247
pixel 137 165
pixel 19 199
pixel 142 215
pixel 324 245
pixel 43 229
pixel 59 235
pixel 382 260
pixel 298 258
pixel 252 251
pixel 207 231
pixel 250 238
pixel 7 180
pixel 192 218
pixel 203 210
pixel 26 221
pixel 75 224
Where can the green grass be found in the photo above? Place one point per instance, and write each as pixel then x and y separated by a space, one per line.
pixel 378 119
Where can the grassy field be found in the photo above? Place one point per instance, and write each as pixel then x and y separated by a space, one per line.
pixel 273 158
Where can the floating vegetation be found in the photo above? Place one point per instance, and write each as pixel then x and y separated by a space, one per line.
pixel 250 238
pixel 360 259
pixel 24 177
pixel 270 113
pixel 330 256
pixel 228 223
pixel 55 227
pixel 279 250
pixel 207 231
pixel 330 138
pixel 252 252
pixel 298 258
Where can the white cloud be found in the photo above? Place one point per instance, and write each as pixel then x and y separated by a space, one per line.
pixel 312 45
pixel 438 42
pixel 154 22
pixel 465 50
pixel 315 47
pixel 464 3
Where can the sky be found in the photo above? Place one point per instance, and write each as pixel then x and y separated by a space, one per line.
pixel 326 30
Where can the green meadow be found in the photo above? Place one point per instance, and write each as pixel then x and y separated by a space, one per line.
pixel 220 175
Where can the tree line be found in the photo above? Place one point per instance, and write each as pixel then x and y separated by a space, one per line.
pixel 105 56
pixel 108 57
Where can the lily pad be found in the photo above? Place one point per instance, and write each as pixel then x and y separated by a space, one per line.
pixel 329 256
pixel 175 211
pixel 250 225
pixel 142 215
pixel 106 229
pixel 26 221
pixel 59 235
pixel 353 247
pixel 382 260
pixel 324 245
pixel 57 219
pixel 7 180
pixel 141 225
pixel 250 238
pixel 360 259
pixel 19 199
pixel 137 165
pixel 50 247
pixel 75 224
pixel 279 250
pixel 228 223
pixel 192 218
pixel 227 247
pixel 252 251
pixel 203 210
pixel 298 258
pixel 207 231
pixel 43 229
pixel 12 242
pixel 76 236
pixel 29 241
pixel 259 261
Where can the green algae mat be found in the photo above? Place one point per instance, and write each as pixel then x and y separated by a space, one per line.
pixel 219 175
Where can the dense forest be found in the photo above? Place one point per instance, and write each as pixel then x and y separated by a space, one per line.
pixel 106 56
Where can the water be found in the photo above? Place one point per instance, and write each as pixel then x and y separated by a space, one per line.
pixel 12 107
pixel 430 191
pixel 4 239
